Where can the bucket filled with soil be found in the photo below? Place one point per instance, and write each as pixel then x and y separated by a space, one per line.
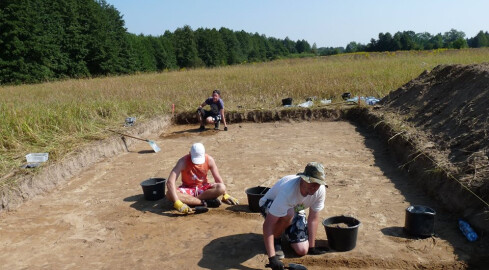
pixel 342 232
pixel 254 195
pixel 420 221
pixel 154 188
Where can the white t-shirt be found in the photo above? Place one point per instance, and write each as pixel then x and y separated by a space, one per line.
pixel 286 194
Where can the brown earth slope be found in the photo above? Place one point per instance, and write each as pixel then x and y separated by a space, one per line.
pixel 449 105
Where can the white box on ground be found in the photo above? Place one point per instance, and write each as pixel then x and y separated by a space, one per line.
pixel 37 157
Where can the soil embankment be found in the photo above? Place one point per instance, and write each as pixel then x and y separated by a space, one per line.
pixel 447 111
pixel 449 105
pixel 25 185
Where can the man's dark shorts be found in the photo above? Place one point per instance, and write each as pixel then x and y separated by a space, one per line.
pixel 216 117
pixel 297 231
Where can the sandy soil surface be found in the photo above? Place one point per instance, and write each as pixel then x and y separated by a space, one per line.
pixel 100 220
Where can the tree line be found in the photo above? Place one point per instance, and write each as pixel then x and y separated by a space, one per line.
pixel 43 40
pixel 409 40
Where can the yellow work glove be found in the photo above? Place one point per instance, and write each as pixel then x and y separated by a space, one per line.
pixel 227 199
pixel 181 207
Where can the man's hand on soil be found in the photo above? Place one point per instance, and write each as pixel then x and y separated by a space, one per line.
pixel 182 208
pixel 275 263
pixel 225 128
pixel 316 251
pixel 227 199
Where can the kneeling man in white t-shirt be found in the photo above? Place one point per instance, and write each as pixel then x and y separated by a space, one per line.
pixel 283 207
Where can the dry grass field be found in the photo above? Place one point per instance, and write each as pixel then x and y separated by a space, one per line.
pixel 58 117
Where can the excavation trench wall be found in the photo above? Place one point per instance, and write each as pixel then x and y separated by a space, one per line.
pixel 20 188
pixel 261 116
pixel 423 169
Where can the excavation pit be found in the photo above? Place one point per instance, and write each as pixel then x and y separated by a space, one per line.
pixel 113 218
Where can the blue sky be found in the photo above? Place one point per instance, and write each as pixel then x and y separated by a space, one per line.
pixel 326 23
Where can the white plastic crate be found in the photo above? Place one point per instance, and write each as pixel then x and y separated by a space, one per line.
pixel 37 157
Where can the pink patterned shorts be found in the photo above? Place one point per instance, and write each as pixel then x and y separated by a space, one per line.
pixel 194 191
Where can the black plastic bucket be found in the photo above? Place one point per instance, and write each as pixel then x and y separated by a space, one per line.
pixel 342 232
pixel 420 221
pixel 153 188
pixel 287 101
pixel 254 195
pixel 346 96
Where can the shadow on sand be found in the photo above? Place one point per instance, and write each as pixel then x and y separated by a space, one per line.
pixel 229 252
pixel 146 152
pixel 161 207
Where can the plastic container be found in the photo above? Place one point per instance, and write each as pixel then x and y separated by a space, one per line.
pixel 37 157
pixel 469 233
pixel 254 195
pixel 342 232
pixel 154 188
pixel 306 104
pixel 130 121
pixel 420 221
pixel 371 100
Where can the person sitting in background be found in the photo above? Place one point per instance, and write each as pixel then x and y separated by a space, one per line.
pixel 283 207
pixel 216 113
pixel 195 189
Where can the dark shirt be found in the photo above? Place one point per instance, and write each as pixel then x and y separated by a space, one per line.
pixel 215 107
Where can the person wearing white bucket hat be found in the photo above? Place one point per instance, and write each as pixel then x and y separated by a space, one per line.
pixel 195 189
pixel 283 207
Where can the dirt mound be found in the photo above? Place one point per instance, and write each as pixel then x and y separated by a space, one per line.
pixel 449 106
